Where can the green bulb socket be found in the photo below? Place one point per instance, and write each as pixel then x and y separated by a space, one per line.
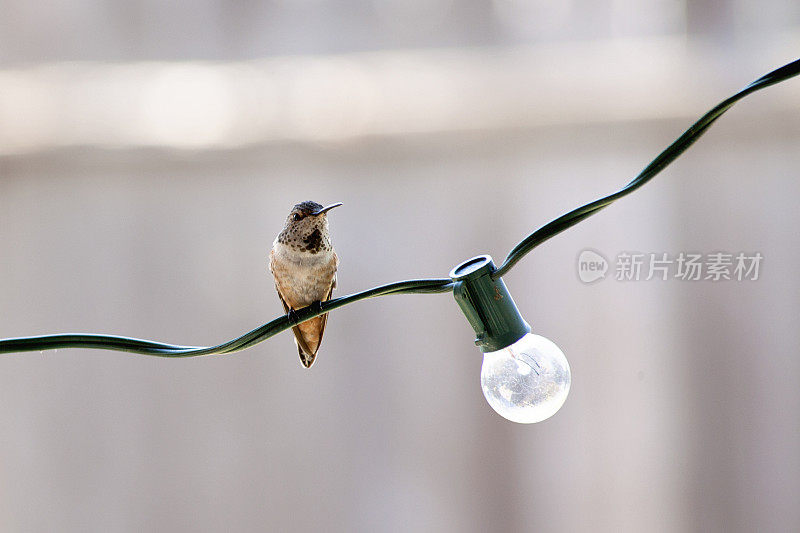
pixel 487 304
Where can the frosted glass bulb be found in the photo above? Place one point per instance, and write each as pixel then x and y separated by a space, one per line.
pixel 528 381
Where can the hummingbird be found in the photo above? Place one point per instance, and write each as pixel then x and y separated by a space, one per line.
pixel 303 263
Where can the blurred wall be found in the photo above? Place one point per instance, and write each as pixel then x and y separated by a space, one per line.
pixel 149 153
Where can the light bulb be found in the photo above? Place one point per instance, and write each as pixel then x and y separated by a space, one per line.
pixel 527 381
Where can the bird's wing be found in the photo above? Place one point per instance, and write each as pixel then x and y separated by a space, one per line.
pixel 269 264
pixel 335 269
pixel 324 318
pixel 306 355
pixel 328 297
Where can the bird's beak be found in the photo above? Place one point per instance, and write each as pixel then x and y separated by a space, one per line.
pixel 327 208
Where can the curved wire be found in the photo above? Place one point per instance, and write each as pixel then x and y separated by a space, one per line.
pixel 673 151
pixel 418 286
pixel 159 349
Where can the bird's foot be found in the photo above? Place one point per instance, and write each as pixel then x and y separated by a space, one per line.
pixel 293 317
pixel 316 307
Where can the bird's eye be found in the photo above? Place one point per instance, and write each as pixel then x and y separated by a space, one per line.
pixel 296 217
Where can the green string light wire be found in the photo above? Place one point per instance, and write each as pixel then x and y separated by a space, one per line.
pixel 418 286
pixel 673 151
pixel 160 349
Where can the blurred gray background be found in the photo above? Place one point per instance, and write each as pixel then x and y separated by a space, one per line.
pixel 149 153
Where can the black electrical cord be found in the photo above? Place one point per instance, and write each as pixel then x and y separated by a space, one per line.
pixel 419 286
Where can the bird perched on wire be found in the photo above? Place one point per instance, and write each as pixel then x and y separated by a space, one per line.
pixel 304 264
